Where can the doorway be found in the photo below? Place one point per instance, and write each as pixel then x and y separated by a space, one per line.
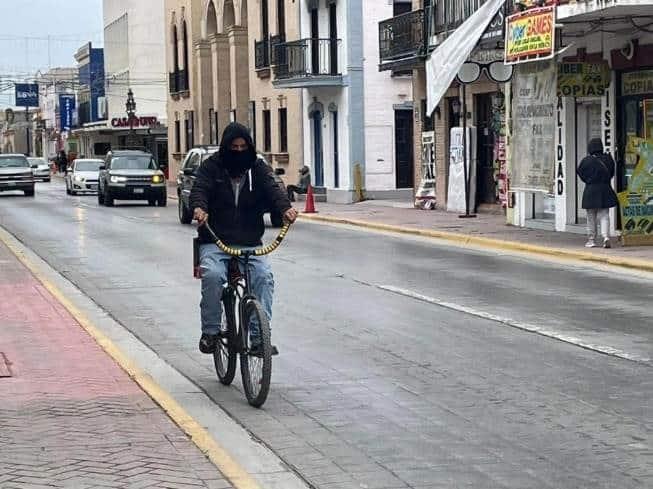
pixel 404 166
pixel 486 185
pixel 588 126
pixel 318 155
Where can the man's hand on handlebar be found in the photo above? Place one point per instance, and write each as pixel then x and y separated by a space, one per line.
pixel 200 215
pixel 290 216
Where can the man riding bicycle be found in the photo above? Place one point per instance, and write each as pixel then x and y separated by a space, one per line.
pixel 232 190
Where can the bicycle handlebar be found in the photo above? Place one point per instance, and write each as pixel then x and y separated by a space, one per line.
pixel 266 250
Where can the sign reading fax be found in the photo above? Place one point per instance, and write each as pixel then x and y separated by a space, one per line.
pixel 27 95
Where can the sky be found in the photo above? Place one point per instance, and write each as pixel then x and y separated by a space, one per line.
pixel 38 34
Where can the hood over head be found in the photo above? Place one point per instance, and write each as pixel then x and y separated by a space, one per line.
pixel 595 146
pixel 236 162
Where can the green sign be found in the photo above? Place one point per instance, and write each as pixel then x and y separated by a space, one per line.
pixel 637 82
pixel 583 79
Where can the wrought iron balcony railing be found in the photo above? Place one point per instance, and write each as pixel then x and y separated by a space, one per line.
pixel 262 54
pixel 308 58
pixel 402 36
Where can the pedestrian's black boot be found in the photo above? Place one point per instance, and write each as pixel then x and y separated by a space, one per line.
pixel 208 342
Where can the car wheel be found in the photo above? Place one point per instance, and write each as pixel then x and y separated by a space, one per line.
pixel 108 198
pixel 276 219
pixel 185 215
pixel 162 201
pixel 29 192
pixel 151 202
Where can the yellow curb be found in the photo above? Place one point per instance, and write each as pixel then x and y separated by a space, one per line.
pixel 237 475
pixel 496 244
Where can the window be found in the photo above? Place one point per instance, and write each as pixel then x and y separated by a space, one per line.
pixel 193 162
pixel 175 49
pixel 252 119
pixel 177 137
pixel 184 36
pixel 283 130
pixel 265 27
pixel 399 7
pixel 190 130
pixel 267 131
pixel 281 18
pixel 135 162
pixel 211 128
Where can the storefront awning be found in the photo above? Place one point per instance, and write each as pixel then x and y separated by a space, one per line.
pixel 444 63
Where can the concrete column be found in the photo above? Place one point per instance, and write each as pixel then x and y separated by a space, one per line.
pixel 565 174
pixel 609 134
pixel 239 72
pixel 221 79
pixel 204 89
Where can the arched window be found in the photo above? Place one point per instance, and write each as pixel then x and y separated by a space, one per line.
pixel 184 35
pixel 175 49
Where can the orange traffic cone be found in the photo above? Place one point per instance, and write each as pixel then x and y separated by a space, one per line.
pixel 310 201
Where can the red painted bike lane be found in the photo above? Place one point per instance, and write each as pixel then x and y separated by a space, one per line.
pixel 70 416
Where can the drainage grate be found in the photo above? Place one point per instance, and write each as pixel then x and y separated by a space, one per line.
pixel 5 371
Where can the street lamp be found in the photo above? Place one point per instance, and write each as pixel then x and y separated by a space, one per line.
pixel 130 107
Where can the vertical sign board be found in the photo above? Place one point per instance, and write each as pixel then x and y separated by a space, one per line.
pixel 27 95
pixel 425 197
pixel 636 203
pixel 66 111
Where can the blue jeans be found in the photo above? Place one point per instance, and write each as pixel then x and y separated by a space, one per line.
pixel 214 266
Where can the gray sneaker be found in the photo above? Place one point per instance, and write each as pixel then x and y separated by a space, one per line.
pixel 606 243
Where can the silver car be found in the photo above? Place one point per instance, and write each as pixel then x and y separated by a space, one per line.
pixel 83 176
pixel 42 170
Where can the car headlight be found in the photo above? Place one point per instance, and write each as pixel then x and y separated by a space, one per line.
pixel 115 179
pixel 78 178
pixel 157 179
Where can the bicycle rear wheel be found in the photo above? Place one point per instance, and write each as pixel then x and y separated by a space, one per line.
pixel 256 369
pixel 224 356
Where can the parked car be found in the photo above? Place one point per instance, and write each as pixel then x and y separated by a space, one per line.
pixel 131 175
pixel 16 174
pixel 186 178
pixel 42 170
pixel 83 176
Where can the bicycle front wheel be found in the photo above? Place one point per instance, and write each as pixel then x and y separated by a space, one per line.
pixel 224 356
pixel 256 366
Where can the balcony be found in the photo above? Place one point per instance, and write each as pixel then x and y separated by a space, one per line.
pixel 178 82
pixel 401 41
pixel 308 63
pixel 262 54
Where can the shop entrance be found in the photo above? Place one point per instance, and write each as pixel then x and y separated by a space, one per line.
pixel 486 186
pixel 588 126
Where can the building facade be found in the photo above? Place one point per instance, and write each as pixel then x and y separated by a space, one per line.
pixel 134 58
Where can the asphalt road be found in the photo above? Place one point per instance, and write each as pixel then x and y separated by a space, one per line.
pixel 377 385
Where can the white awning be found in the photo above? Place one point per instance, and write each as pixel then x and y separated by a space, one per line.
pixel 444 63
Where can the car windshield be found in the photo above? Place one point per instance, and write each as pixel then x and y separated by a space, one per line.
pixel 88 165
pixel 133 162
pixel 36 161
pixel 13 162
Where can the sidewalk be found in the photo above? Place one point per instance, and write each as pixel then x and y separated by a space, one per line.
pixel 490 231
pixel 69 416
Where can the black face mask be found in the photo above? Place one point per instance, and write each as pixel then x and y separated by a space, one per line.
pixel 237 162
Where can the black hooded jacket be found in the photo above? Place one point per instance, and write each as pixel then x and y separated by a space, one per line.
pixel 240 224
pixel 597 170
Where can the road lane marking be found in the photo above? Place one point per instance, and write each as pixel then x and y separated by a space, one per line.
pixel 230 469
pixel 532 328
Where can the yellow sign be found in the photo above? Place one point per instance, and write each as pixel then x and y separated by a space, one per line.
pixel 637 82
pixel 530 35
pixel 636 203
pixel 583 79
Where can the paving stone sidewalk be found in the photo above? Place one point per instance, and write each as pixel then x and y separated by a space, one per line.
pixel 69 416
pixel 484 225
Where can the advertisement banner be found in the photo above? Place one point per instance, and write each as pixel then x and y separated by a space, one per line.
pixel 533 121
pixel 583 79
pixel 425 197
pixel 530 35
pixel 636 203
pixel 443 64
pixel 27 95
pixel 66 111
pixel 456 190
pixel 637 82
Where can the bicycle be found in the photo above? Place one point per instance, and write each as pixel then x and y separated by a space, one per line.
pixel 240 309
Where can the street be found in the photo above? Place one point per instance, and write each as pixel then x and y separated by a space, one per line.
pixel 378 386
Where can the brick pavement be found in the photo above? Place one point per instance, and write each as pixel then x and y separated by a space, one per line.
pixel 69 416
pixel 484 225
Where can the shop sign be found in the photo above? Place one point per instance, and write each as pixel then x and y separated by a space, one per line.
pixel 27 95
pixel 583 79
pixel 138 122
pixel 66 111
pixel 530 35
pixel 637 82
pixel 425 195
pixel 636 202
pixel 495 32
pixel 534 127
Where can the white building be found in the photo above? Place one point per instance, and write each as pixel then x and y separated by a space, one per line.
pixel 50 138
pixel 350 109
pixel 135 58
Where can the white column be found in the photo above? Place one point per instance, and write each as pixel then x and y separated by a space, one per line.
pixel 565 164
pixel 608 135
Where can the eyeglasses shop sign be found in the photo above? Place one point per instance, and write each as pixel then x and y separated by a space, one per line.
pixel 27 95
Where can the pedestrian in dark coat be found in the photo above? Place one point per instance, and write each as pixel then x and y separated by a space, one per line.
pixel 597 171
pixel 302 184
